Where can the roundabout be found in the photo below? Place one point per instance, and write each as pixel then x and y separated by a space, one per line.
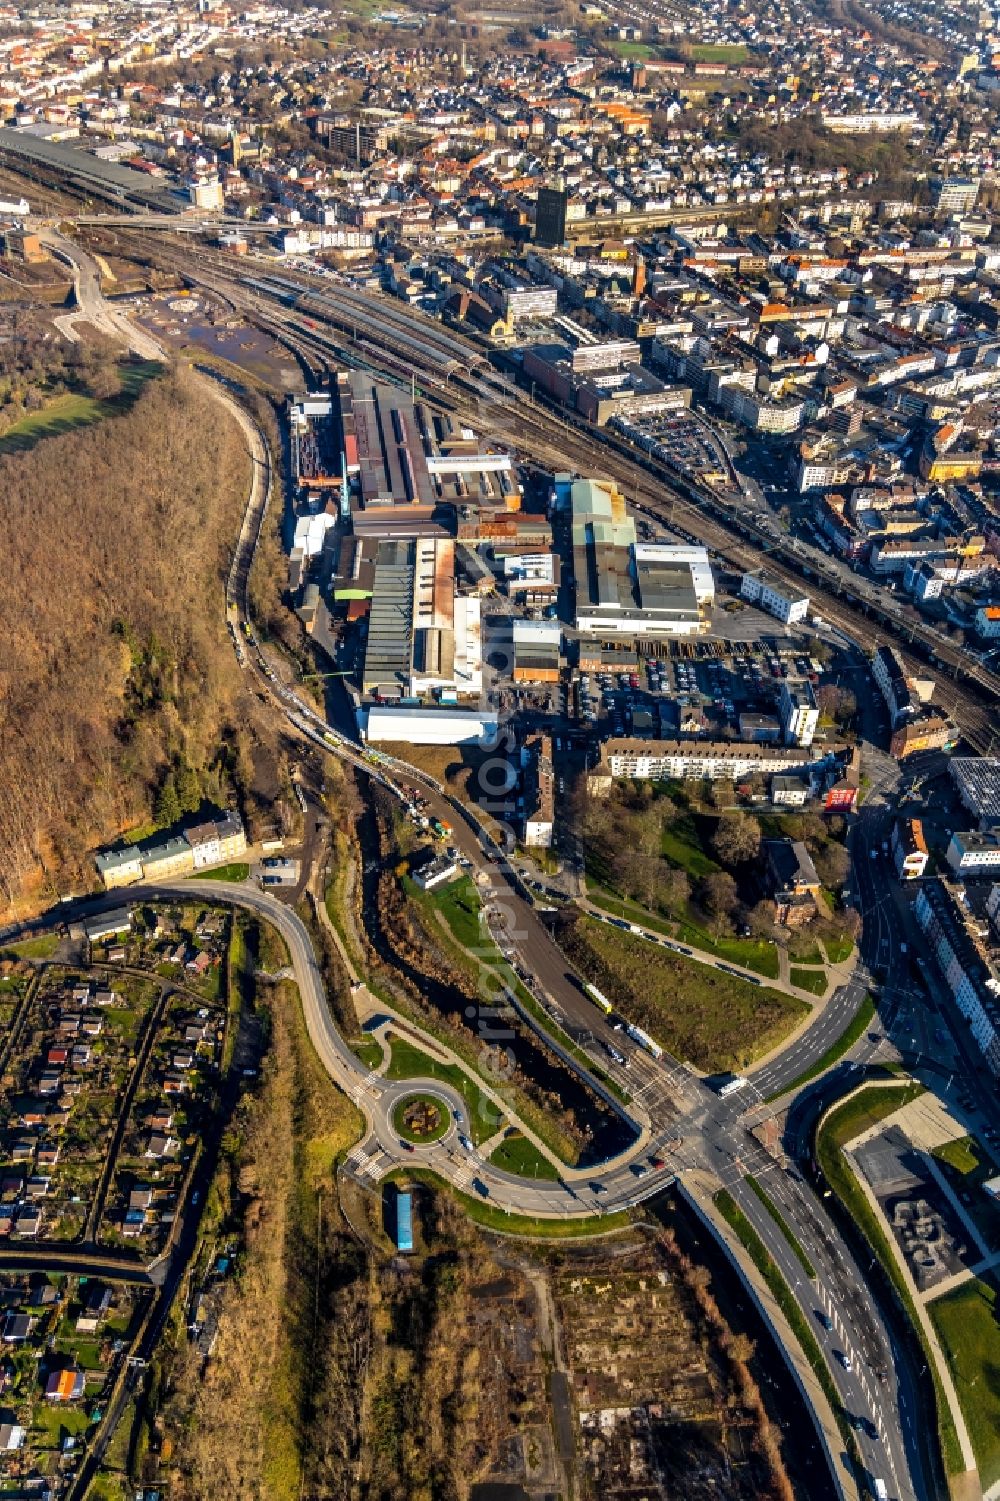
pixel 421 1118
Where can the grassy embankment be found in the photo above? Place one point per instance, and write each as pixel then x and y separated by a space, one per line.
pixel 814 981
pixel 491 1217
pixel 856 1115
pixel 407 1061
pixel 968 1325
pixel 472 948
pixel 715 1020
pixel 516 1154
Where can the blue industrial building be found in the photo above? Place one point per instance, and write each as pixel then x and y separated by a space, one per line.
pixel 404 1220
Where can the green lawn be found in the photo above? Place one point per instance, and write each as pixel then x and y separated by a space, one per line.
pixel 961 1154
pixel 781 1222
pixel 236 871
pixel 60 415
pixel 50 1420
pixel 409 1062
pixel 808 979
pixel 851 1034
pixel 855 1115
pixel 484 1213
pixel 633 51
pixel 680 844
pixel 42 947
pixel 716 1020
pixel 435 1113
pixel 516 1154
pixel 865 1109
pixel 967 1165
pixel 758 954
pixel 369 1050
pixel 460 906
pixel 968 1325
pixel 719 52
pixel 838 949
pixel 73 409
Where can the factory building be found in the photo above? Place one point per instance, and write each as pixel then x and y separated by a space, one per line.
pixel 417 725
pixel 403 463
pixel 628 588
pixel 423 637
pixel 537 646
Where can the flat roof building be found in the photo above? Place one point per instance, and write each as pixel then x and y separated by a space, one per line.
pixel 628 588
pixel 781 600
pixel 977 780
pixel 415 725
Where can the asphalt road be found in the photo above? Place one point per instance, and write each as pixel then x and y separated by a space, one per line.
pixel 690 1126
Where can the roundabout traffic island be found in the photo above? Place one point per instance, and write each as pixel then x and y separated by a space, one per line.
pixel 420 1118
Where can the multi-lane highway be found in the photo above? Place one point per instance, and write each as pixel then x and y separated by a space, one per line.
pixel 683 1122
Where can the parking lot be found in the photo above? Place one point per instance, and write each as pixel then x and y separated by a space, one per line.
pixel 704 685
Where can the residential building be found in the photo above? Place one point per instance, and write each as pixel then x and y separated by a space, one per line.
pixel 977 781
pixel 787 604
pixel 214 841
pixel 789 791
pixel 973 854
pixel 794 881
pixel 688 760
pixel 956 943
pixel 539 792
pixel 119 867
pixel 988 622
pixel 909 849
pixel 550 216
pixel 890 676
pixel 108 925
pixel 798 711
pixel 927 731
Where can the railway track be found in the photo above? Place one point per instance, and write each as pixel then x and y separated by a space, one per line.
pixel 454 375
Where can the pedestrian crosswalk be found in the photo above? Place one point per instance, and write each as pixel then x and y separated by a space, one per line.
pixel 368 1088
pixel 365 1162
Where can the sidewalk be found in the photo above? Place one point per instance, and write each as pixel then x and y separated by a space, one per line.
pixel 837 974
pixel 368 1005
pixel 926 1325
pixel 698 1188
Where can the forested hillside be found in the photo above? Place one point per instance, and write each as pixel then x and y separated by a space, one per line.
pixel 115 667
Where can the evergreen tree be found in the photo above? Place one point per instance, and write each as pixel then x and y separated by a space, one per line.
pixel 168 804
pixel 188 788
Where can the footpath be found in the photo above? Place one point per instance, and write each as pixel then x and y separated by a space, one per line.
pixel 373 1007
pixel 698 1188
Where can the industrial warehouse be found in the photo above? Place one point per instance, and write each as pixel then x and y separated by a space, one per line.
pixel 628 588
pixel 448 585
